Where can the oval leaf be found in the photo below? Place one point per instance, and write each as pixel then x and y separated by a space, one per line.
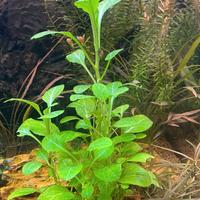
pixel 21 192
pixel 140 157
pixel 100 91
pixel 100 154
pixel 136 175
pixel 124 138
pixel 75 97
pixel 112 54
pixel 68 118
pixel 68 170
pixel 85 107
pixel 120 110
pixel 71 135
pixel 87 191
pixel 52 114
pixel 31 167
pixel 100 143
pixel 56 192
pixel 135 124
pixel 109 173
pixel 77 57
pixel 51 94
pixel 53 143
pixel 79 89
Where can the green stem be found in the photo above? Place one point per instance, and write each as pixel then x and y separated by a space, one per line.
pixel 96 39
pixel 105 70
pixel 88 71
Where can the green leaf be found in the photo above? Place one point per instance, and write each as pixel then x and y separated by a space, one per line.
pixel 124 138
pixel 84 124
pixel 87 191
pixel 135 124
pixel 75 97
pixel 140 136
pixel 34 105
pixel 85 107
pixel 37 127
pixel 188 56
pixel 89 6
pixel 67 169
pixel 115 89
pixel 104 6
pixel 100 91
pixel 134 174
pixel 106 190
pixel 53 143
pixel 42 155
pixel 51 94
pixel 52 115
pixel 71 135
pixel 21 192
pixel 140 157
pixel 77 57
pixel 131 148
pixel 100 143
pixel 112 54
pixel 79 89
pixel 100 154
pixel 31 167
pixel 56 192
pixel 43 34
pixel 120 110
pixel 110 173
pixel 68 118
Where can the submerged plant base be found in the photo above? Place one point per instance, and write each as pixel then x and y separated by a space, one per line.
pixel 166 166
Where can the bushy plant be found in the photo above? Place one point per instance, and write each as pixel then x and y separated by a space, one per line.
pixel 101 157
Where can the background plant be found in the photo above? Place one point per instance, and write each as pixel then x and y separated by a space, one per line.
pixel 105 162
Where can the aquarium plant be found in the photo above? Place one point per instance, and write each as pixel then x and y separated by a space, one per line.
pixel 100 158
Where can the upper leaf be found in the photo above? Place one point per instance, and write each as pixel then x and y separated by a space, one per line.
pixel 104 6
pixel 43 34
pixel 112 54
pixel 89 6
pixel 51 94
pixel 52 115
pixel 77 57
